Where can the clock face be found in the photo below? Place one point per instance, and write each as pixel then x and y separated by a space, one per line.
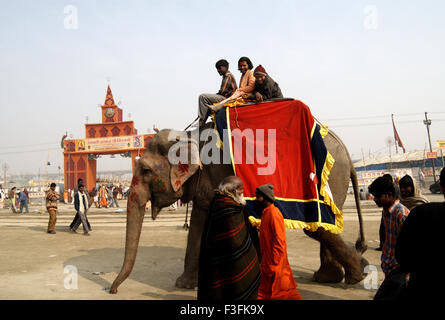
pixel 109 112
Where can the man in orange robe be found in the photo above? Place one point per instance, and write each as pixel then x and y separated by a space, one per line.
pixel 277 281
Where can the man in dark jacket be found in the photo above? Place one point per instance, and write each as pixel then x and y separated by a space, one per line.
pixel 81 206
pixel 419 247
pixel 76 190
pixel 265 87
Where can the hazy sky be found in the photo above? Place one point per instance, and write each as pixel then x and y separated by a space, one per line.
pixel 344 59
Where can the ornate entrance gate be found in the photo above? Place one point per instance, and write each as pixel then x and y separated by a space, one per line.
pixel 111 136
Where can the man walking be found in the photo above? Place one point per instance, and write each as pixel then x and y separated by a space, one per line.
pixel 277 281
pixel 81 206
pixel 51 206
pixel 394 214
pixel 2 197
pixel 229 262
pixel 76 189
pixel 23 200
pixel 115 194
pixel 410 194
pixel 12 198
pixel 228 86
pixel 419 248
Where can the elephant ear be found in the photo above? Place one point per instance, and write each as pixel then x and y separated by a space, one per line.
pixel 184 166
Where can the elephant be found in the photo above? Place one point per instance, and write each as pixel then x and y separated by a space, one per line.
pixel 157 180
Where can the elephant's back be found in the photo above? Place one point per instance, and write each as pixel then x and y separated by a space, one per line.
pixel 341 172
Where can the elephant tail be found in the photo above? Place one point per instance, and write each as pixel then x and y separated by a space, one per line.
pixel 360 244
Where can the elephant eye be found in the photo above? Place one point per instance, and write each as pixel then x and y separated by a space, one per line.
pixel 146 171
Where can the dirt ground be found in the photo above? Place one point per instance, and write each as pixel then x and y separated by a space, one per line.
pixel 37 265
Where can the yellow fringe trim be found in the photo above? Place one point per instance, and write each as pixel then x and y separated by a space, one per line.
pixel 294 224
pixel 329 163
pixel 323 130
pixel 219 142
pixel 236 103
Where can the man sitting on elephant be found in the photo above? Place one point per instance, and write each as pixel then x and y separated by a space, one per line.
pixel 228 87
pixel 265 87
pixel 229 261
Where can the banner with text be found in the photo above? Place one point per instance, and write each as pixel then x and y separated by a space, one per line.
pixel 110 143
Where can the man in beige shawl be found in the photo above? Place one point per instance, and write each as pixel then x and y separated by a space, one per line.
pixel 410 194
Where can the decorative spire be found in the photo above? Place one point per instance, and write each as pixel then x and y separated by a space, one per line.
pixel 109 100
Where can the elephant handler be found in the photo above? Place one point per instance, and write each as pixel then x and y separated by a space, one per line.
pixel 51 205
pixel 277 281
pixel 394 214
pixel 229 266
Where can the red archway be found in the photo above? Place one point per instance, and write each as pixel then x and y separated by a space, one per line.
pixel 111 136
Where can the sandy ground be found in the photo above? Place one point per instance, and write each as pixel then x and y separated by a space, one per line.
pixel 37 265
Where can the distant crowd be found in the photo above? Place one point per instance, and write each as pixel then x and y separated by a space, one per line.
pixel 17 201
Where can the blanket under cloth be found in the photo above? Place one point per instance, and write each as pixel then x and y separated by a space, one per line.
pixel 280 143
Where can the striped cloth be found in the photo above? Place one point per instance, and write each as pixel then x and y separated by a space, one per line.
pixel 392 220
pixel 229 267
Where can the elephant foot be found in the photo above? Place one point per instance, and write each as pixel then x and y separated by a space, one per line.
pixel 186 281
pixel 354 274
pixel 329 273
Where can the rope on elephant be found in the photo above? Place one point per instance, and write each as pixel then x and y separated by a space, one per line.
pixel 191 123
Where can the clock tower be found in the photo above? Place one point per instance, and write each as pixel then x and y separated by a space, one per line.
pixel 110 111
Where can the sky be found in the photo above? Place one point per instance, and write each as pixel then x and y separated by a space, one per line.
pixel 354 63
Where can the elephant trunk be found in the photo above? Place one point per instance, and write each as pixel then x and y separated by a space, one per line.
pixel 135 218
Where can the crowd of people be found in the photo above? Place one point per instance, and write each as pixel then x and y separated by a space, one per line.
pixel 106 197
pixel 16 201
pixel 409 239
pixel 238 261
pixel 255 85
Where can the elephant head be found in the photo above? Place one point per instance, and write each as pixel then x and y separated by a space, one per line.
pixel 169 160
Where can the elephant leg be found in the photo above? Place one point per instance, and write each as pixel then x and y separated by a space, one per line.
pixel 189 278
pixel 345 255
pixel 330 270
